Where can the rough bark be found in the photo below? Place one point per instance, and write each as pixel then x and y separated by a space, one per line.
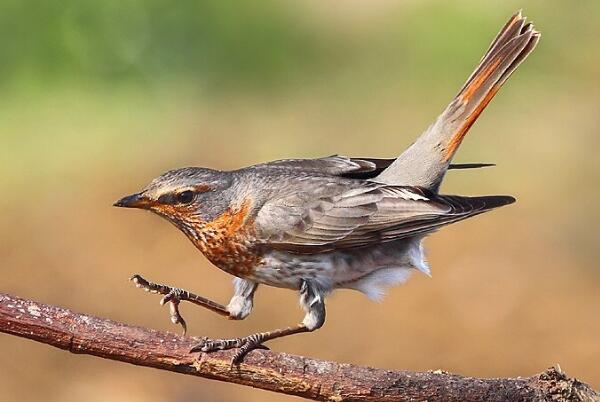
pixel 278 372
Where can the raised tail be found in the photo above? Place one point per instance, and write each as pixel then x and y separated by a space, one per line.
pixel 426 161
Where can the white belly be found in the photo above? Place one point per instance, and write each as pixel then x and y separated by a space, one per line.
pixel 368 270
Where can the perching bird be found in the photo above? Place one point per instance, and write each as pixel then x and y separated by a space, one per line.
pixel 316 225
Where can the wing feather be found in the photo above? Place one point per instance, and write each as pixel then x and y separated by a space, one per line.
pixel 335 165
pixel 338 217
pixel 352 168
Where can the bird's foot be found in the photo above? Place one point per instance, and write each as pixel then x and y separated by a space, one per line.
pixel 172 296
pixel 244 345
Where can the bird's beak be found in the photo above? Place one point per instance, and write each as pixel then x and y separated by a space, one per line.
pixel 138 200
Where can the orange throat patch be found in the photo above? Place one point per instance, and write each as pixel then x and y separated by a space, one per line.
pixel 227 241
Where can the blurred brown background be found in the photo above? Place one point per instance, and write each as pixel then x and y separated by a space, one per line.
pixel 98 97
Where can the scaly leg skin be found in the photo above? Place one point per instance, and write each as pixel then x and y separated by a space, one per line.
pixel 312 301
pixel 239 307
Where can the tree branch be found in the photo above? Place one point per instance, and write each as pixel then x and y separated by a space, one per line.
pixel 278 372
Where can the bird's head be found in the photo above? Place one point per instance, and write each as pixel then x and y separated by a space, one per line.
pixel 187 197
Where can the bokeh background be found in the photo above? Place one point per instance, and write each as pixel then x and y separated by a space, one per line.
pixel 98 97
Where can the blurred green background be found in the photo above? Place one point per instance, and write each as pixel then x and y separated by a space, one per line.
pixel 98 97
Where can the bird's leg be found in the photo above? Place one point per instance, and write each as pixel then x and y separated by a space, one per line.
pixel 312 301
pixel 239 307
pixel 242 301
pixel 173 296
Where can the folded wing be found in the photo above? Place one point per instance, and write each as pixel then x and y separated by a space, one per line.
pixel 352 168
pixel 305 222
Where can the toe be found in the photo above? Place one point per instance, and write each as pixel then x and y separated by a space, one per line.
pixel 200 346
pixel 247 347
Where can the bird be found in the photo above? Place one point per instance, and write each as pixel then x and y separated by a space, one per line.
pixel 337 222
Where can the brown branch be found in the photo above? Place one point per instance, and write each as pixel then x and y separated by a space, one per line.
pixel 278 372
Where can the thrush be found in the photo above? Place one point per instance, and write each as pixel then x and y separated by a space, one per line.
pixel 316 225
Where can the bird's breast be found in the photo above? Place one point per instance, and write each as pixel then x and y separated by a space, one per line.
pixel 229 241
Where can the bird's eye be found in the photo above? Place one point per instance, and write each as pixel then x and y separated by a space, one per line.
pixel 185 197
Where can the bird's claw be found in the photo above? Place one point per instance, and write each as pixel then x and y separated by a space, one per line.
pixel 142 283
pixel 172 297
pixel 244 345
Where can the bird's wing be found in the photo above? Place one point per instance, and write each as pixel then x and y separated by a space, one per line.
pixel 352 168
pixel 335 165
pixel 381 164
pixel 322 212
pixel 305 222
pixel 401 218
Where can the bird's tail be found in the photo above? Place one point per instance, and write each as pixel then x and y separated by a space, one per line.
pixel 425 162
